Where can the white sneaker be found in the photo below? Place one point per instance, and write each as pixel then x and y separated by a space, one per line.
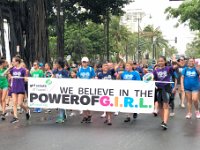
pixel 103 115
pixel 72 114
pixel 116 113
pixel 182 105
pixel 188 116
pixel 48 111
pixel 172 114
pixel 81 112
pixel 197 114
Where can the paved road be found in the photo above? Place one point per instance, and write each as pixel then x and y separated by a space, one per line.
pixel 42 133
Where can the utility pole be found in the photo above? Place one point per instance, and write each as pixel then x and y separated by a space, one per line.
pixel 138 40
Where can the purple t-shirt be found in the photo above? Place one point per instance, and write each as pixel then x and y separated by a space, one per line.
pixel 18 83
pixel 163 74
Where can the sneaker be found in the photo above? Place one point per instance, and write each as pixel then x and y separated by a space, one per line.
pixel 164 126
pixel 155 113
pixel 172 114
pixel 106 121
pixel 109 123
pixel 7 114
pixel 128 119
pixel 3 116
pixel 103 115
pixel 81 112
pixel 48 111
pixel 116 113
pixel 197 114
pixel 135 115
pixel 161 123
pixel 188 116
pixel 72 114
pixel 89 119
pixel 84 120
pixel 60 120
pixel 28 115
pixel 20 111
pixel 14 120
pixel 182 105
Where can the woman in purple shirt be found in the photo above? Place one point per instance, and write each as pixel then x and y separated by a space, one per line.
pixel 163 89
pixel 18 74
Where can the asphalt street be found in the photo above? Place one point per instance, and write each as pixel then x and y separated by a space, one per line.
pixel 42 133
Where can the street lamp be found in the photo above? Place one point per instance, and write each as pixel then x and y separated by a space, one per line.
pixel 140 15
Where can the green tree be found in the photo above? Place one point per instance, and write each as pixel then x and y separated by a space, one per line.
pixel 154 41
pixel 100 11
pixel 193 48
pixel 188 12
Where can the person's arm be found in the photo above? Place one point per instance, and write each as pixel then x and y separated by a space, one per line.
pixel 182 83
pixel 154 75
pixel 53 74
pixel 119 75
pixel 93 74
pixel 6 72
pixel 175 85
pixel 198 69
pixel 182 79
pixel 177 65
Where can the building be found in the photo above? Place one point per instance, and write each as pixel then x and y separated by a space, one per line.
pixel 130 19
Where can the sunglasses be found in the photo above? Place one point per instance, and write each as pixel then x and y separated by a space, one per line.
pixel 84 62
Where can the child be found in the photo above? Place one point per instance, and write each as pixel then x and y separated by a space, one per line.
pixel 129 74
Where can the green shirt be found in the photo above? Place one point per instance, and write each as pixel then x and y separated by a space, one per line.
pixel 3 79
pixel 37 73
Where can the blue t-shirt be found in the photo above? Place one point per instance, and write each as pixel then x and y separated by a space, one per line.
pixel 133 75
pixel 105 76
pixel 191 79
pixel 60 73
pixel 86 73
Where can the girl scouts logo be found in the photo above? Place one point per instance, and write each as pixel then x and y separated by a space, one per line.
pixel 48 82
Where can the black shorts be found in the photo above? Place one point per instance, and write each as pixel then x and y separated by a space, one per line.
pixel 155 97
pixel 162 96
pixel 19 93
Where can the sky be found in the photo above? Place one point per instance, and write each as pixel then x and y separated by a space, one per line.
pixel 156 9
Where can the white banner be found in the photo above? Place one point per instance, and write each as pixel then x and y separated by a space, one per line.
pixel 94 95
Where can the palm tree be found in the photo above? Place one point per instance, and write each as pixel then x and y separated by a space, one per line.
pixel 155 40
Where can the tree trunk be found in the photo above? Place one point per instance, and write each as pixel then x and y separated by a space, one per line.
pixel 106 35
pixel 2 42
pixel 37 35
pixel 28 28
pixel 60 29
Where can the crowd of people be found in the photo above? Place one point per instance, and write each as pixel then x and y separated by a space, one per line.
pixel 180 76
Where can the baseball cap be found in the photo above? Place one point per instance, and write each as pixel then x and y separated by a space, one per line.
pixel 85 59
